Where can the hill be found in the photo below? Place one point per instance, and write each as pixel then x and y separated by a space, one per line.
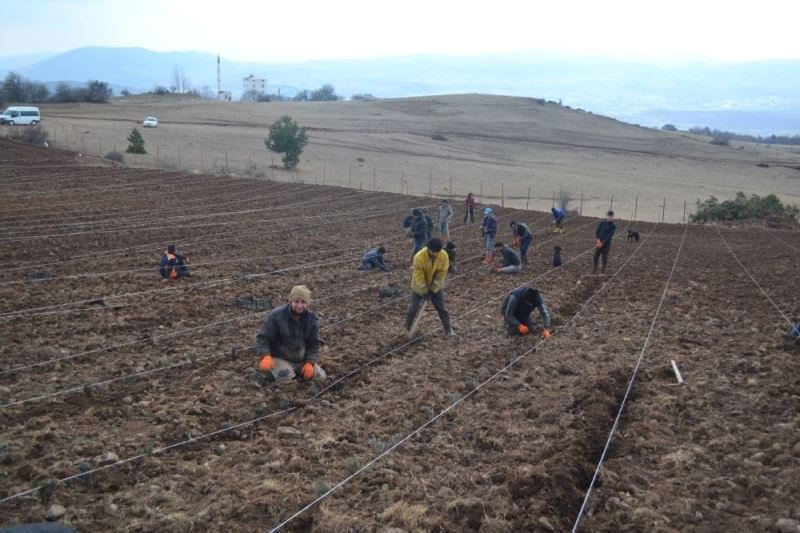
pixel 503 148
pixel 627 90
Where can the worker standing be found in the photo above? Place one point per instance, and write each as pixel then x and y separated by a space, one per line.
pixel 427 283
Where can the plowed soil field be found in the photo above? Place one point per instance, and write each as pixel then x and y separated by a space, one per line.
pixel 135 405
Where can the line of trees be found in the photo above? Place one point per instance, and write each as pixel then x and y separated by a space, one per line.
pixel 18 89
pixel 724 137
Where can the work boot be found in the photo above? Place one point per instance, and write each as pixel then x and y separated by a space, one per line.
pixel 603 269
pixel 487 260
pixel 594 270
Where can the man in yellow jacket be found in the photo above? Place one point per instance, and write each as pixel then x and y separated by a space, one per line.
pixel 427 283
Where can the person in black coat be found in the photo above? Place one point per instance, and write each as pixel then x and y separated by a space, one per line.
pixel 603 235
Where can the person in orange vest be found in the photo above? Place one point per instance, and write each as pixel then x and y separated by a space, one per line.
pixel 173 265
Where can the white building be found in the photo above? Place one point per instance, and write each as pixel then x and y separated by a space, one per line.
pixel 257 85
pixel 225 96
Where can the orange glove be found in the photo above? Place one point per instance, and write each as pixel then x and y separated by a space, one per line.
pixel 546 333
pixel 307 371
pixel 497 270
pixel 598 244
pixel 523 329
pixel 515 242
pixel 266 363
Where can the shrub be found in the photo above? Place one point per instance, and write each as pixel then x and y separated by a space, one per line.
pixel 287 138
pixel 136 141
pixel 744 208
pixel 113 155
pixel 720 138
pixel 669 127
pixel 30 134
pixel 326 93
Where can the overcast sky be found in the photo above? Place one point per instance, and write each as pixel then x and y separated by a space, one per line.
pixel 298 30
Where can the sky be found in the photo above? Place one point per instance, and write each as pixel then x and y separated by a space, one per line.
pixel 292 31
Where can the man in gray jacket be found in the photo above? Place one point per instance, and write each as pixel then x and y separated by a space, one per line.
pixel 289 340
pixel 443 217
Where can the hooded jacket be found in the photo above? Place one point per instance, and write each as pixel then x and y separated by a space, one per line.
pixel 429 274
pixel 489 226
pixel 516 310
pixel 510 256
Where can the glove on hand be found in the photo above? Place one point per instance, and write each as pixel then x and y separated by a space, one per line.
pixel 307 371
pixel 546 333
pixel 523 329
pixel 266 363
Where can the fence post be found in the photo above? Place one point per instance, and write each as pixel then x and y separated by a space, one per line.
pixel 226 161
pixel 450 190
pixel 635 207
pixel 158 156
pixel 580 211
pixel 402 179
pixel 201 158
pixel 528 201
pixel 502 195
pixel 349 174
pixel 374 171
pixel 83 144
pixel 663 208
pixel 179 156
pixel 99 148
pixel 324 171
pixel 481 195
pixel 611 205
pixel 684 211
pixel 554 199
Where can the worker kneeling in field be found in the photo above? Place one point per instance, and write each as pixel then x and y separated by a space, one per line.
pixel 793 334
pixel 427 283
pixel 510 262
pixel 173 265
pixel 289 340
pixel 373 259
pixel 517 308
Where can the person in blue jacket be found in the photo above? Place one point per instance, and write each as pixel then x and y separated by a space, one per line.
pixel 602 244
pixel 522 238
pixel 418 230
pixel 488 231
pixel 373 259
pixel 558 217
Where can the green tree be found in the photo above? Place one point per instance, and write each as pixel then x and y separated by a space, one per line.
pixel 287 138
pixel 136 141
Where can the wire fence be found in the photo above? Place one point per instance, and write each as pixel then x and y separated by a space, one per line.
pixel 219 158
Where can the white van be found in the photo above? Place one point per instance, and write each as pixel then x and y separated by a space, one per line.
pixel 20 115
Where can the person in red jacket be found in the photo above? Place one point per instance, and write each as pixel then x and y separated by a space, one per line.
pixel 469 212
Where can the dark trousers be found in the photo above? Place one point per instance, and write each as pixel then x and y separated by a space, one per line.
pixel 513 330
pixel 469 213
pixel 601 252
pixel 437 299
pixel 523 248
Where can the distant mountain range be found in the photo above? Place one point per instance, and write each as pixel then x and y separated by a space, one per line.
pixel 761 97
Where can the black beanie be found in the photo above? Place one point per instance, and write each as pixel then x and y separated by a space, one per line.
pixel 435 245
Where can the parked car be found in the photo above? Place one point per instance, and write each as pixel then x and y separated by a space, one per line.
pixel 150 122
pixel 20 115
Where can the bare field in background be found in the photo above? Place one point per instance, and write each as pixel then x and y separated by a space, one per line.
pixel 497 147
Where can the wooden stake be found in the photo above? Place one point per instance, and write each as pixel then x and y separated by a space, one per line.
pixel 179 156
pixel 528 201
pixel 324 171
pixel 374 172
pixel 430 185
pixel 481 195
pixel 402 179
pixel 349 174
pixel 663 209
pixel 554 199
pixel 158 156
pixel 635 207
pixel 201 158
pixel 684 211
pixel 450 190
pixel 502 195
pixel 677 372
pixel 580 211
pixel 611 205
